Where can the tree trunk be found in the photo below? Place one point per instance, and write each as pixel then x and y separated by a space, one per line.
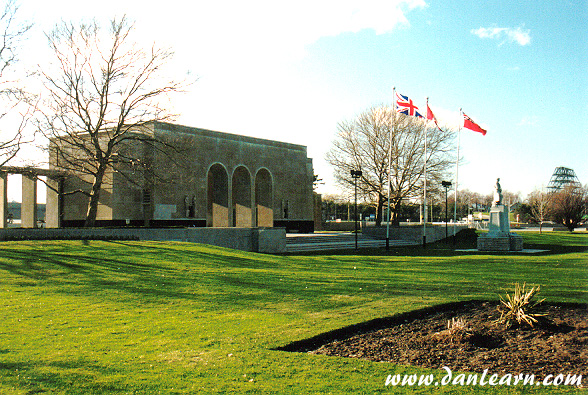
pixel 380 210
pixel 94 198
pixel 395 210
pixel 570 224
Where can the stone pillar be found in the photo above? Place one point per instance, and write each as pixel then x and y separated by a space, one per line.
pixel 231 215
pixel 53 208
pixel 28 209
pixel 499 224
pixel 318 211
pixel 3 199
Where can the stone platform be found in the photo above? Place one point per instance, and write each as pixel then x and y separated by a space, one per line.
pixel 510 242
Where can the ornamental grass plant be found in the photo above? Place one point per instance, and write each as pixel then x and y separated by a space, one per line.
pixel 520 307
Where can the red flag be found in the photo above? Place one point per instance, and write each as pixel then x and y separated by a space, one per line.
pixel 469 124
pixel 431 116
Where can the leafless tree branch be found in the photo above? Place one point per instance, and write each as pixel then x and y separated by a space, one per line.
pixel 103 94
pixel 13 96
pixel 365 143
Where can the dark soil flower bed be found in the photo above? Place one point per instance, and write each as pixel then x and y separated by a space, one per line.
pixel 557 344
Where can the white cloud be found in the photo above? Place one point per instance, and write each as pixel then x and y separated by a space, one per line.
pixel 236 30
pixel 276 30
pixel 245 56
pixel 505 34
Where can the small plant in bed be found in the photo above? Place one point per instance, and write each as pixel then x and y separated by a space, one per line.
pixel 520 308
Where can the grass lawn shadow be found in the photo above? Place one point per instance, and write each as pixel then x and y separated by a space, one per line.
pixel 465 243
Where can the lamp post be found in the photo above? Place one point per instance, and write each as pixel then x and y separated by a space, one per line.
pixel 446 185
pixel 355 174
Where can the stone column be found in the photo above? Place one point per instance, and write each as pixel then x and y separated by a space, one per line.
pixel 53 208
pixel 231 215
pixel 3 199
pixel 28 209
pixel 318 211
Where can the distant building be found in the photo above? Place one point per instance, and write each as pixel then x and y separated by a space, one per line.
pixel 218 180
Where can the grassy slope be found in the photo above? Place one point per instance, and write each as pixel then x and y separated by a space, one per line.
pixel 146 317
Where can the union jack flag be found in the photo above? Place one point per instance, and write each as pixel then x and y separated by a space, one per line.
pixel 406 106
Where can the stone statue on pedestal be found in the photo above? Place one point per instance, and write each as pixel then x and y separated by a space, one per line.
pixel 497 194
pixel 499 237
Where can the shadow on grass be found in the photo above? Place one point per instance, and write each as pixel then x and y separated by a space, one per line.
pixel 33 263
pixel 218 278
pixel 315 342
pixel 92 268
pixel 565 243
pixel 43 377
pixel 346 332
pixel 227 279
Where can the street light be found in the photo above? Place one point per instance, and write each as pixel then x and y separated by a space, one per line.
pixel 355 174
pixel 446 185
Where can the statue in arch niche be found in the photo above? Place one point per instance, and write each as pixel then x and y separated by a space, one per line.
pixel 497 201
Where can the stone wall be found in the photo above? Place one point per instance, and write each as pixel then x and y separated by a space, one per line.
pixel 266 240
pixel 237 178
pixel 342 226
pixel 413 233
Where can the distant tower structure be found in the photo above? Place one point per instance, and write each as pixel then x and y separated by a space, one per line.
pixel 561 177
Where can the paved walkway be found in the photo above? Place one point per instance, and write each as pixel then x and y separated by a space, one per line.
pixel 296 242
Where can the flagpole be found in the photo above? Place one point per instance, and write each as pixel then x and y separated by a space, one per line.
pixel 457 174
pixel 390 166
pixel 425 181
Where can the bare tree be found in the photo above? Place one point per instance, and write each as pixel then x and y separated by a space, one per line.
pixel 103 92
pixel 511 198
pixel 364 144
pixel 540 203
pixel 12 95
pixel 474 200
pixel 508 198
pixel 467 200
pixel 570 205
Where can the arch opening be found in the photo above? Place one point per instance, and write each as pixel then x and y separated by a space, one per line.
pixel 241 198
pixel 263 199
pixel 218 197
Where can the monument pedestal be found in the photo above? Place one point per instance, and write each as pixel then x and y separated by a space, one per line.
pixel 512 242
pixel 499 237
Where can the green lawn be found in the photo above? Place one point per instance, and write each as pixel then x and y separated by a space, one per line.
pixel 178 318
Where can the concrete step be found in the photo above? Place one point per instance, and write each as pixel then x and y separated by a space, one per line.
pixel 342 245
pixel 296 239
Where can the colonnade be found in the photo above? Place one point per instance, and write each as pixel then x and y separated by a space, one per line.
pixel 30 177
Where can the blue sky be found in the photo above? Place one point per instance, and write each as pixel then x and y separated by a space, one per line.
pixel 290 71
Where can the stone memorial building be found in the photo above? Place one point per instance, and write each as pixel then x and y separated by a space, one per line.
pixel 209 179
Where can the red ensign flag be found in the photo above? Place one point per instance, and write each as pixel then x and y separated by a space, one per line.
pixel 469 124
pixel 431 116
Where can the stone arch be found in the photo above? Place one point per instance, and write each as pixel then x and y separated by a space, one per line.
pixel 217 213
pixel 241 197
pixel 264 198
